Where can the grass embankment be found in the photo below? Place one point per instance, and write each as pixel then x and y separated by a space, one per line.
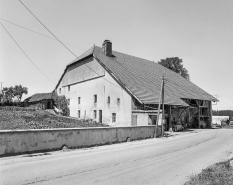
pixel 217 174
pixel 13 118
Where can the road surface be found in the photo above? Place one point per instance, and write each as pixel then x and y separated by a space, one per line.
pixel 153 161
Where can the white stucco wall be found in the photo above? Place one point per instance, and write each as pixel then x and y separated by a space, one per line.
pixel 85 83
pixel 144 120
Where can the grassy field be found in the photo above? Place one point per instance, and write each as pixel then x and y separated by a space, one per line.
pixel 217 174
pixel 13 118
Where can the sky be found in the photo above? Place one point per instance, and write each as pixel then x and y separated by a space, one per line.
pixel 199 32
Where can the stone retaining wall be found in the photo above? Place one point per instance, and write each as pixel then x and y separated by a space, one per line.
pixel 40 140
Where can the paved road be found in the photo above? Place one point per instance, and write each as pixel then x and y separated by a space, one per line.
pixel 153 161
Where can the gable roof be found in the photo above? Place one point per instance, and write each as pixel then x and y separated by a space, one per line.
pixel 40 96
pixel 143 78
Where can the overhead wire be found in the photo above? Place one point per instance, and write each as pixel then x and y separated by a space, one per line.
pixel 37 33
pixel 61 42
pixel 25 53
pixel 73 53
pixel 46 28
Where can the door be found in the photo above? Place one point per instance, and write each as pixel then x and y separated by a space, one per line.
pixel 100 116
pixel 153 119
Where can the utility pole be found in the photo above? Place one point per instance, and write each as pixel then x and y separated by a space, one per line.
pixel 160 96
pixel 163 107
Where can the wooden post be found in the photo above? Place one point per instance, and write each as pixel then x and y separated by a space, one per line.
pixel 170 118
pixel 198 116
pixel 210 109
pixel 156 127
pixel 162 108
pixel 188 117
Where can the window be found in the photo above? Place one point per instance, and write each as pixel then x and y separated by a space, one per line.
pixel 79 113
pixel 95 98
pixel 68 87
pixel 95 114
pixel 113 117
pixel 118 101
pixel 79 100
pixel 59 90
pixel 68 101
pixel 108 99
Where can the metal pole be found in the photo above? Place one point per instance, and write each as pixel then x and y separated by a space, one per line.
pixel 156 128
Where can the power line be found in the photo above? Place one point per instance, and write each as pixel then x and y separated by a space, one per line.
pixel 46 28
pixel 227 104
pixel 62 43
pixel 37 32
pixel 25 53
pixel 226 96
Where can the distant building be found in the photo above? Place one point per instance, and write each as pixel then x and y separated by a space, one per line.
pixel 216 120
pixel 41 100
pixel 122 90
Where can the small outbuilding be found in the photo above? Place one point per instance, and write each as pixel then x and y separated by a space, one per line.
pixel 41 100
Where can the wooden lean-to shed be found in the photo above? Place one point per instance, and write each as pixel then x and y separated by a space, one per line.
pixel 41 100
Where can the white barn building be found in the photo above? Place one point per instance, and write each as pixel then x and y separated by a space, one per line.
pixel 122 90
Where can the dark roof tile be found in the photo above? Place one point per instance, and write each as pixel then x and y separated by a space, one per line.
pixel 40 96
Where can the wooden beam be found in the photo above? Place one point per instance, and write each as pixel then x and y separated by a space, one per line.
pixel 210 109
pixel 198 115
pixel 160 96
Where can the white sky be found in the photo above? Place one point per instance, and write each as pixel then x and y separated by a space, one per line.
pixel 199 32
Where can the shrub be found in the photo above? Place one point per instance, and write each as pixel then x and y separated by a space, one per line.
pixel 62 103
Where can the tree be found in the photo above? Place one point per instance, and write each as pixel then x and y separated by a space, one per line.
pixel 1 98
pixel 19 90
pixel 175 64
pixel 62 103
pixel 11 92
pixel 8 94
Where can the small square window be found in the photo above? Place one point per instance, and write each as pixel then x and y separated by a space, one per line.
pixel 79 100
pixel 79 113
pixel 118 101
pixel 95 114
pixel 113 117
pixel 95 98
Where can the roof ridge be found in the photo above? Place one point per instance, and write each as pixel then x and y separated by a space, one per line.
pixel 80 56
pixel 132 70
pixel 130 55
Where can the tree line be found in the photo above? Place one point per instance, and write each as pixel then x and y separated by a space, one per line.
pixel 8 94
pixel 223 113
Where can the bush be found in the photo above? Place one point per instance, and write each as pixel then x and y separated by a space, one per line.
pixel 62 103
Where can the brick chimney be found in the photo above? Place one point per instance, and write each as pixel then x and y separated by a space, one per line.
pixel 107 48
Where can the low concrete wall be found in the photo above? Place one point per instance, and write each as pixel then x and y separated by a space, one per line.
pixel 27 141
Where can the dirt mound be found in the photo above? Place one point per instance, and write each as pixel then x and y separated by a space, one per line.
pixel 14 118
